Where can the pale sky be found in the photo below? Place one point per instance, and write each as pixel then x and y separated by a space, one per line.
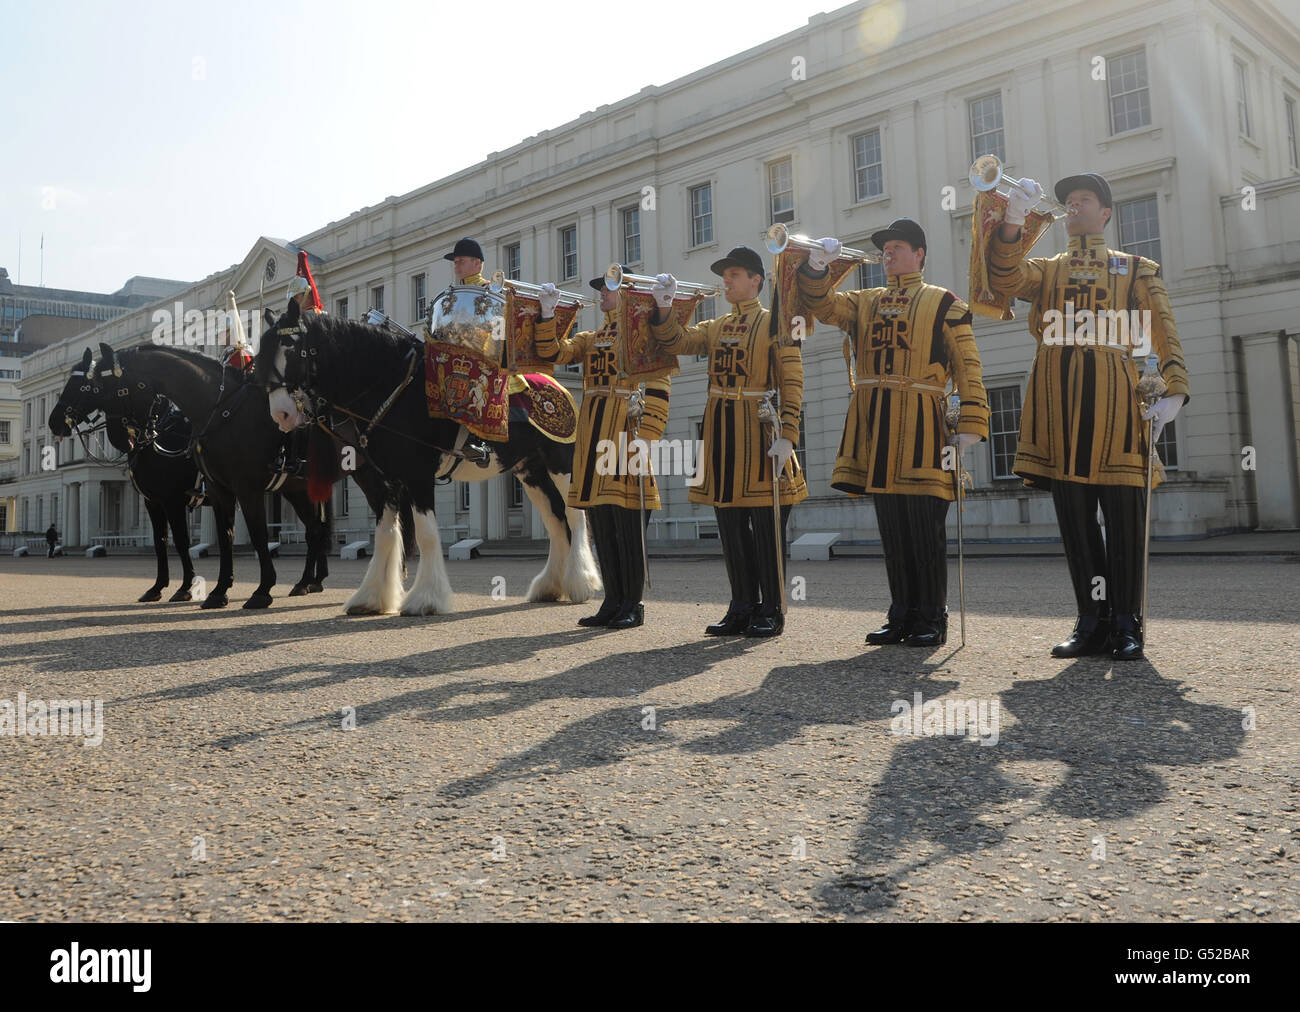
pixel 162 139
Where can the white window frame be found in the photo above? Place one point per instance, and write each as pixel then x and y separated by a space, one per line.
pixel 420 301
pixel 1120 205
pixel 513 251
pixel 1112 95
pixel 858 196
pixel 773 214
pixel 1001 130
pixel 377 297
pixel 696 223
pixel 568 273
pixel 623 213
pixel 1013 435
pixel 1292 124
pixel 1241 78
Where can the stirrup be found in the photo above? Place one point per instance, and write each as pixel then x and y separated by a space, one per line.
pixel 477 453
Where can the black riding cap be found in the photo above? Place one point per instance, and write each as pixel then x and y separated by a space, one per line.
pixel 1087 181
pixel 740 256
pixel 904 229
pixel 466 248
pixel 599 283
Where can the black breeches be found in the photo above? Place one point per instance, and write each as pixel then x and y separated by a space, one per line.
pixel 1117 560
pixel 617 534
pixel 749 551
pixel 913 532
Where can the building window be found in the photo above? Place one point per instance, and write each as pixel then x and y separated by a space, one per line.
pixel 1167 446
pixel 342 501
pixel 701 214
pixel 463 488
pixel 4 517
pixel 871 276
pixel 1139 228
pixel 704 310
pixel 516 493
pixel 1130 101
pixel 4 431
pixel 780 191
pixel 986 135
pixel 514 263
pixel 341 308
pixel 569 252
pixel 1004 429
pixel 631 235
pixel 54 509
pixel 27 415
pixel 24 514
pixel 1243 99
pixel 377 297
pixel 868 166
pixel 1291 133
pixel 419 297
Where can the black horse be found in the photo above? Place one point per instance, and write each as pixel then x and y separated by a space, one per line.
pixel 366 386
pixel 156 445
pixel 234 446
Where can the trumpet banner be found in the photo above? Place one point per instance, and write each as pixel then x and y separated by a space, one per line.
pixel 990 210
pixel 786 303
pixel 522 313
pixel 639 358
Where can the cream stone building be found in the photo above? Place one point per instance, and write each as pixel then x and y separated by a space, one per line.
pixel 866 114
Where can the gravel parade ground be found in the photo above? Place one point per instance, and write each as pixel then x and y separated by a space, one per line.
pixel 503 763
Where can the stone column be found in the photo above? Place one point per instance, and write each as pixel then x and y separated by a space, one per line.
pixel 72 525
pixel 1271 400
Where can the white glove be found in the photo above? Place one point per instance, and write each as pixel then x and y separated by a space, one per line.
pixel 782 450
pixel 1162 412
pixel 549 297
pixel 820 259
pixel 1020 200
pixel 664 290
pixel 965 439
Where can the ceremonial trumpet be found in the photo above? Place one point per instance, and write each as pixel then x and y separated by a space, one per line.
pixel 616 278
pixel 985 174
pixel 499 280
pixel 777 239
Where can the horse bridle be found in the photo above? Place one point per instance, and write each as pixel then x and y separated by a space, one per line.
pixel 291 340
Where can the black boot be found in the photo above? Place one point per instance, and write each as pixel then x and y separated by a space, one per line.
pixel 897 625
pixel 930 628
pixel 1126 639
pixel 769 618
pixel 1090 636
pixel 632 612
pixel 607 558
pixel 739 564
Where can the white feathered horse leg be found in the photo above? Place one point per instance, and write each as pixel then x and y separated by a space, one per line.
pixel 581 578
pixel 431 592
pixel 381 587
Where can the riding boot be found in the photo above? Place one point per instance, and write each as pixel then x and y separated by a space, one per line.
pixel 1126 641
pixel 607 558
pixel 929 628
pixel 928 550
pixel 890 519
pixel 1086 556
pixel 632 612
pixel 768 619
pixel 739 563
